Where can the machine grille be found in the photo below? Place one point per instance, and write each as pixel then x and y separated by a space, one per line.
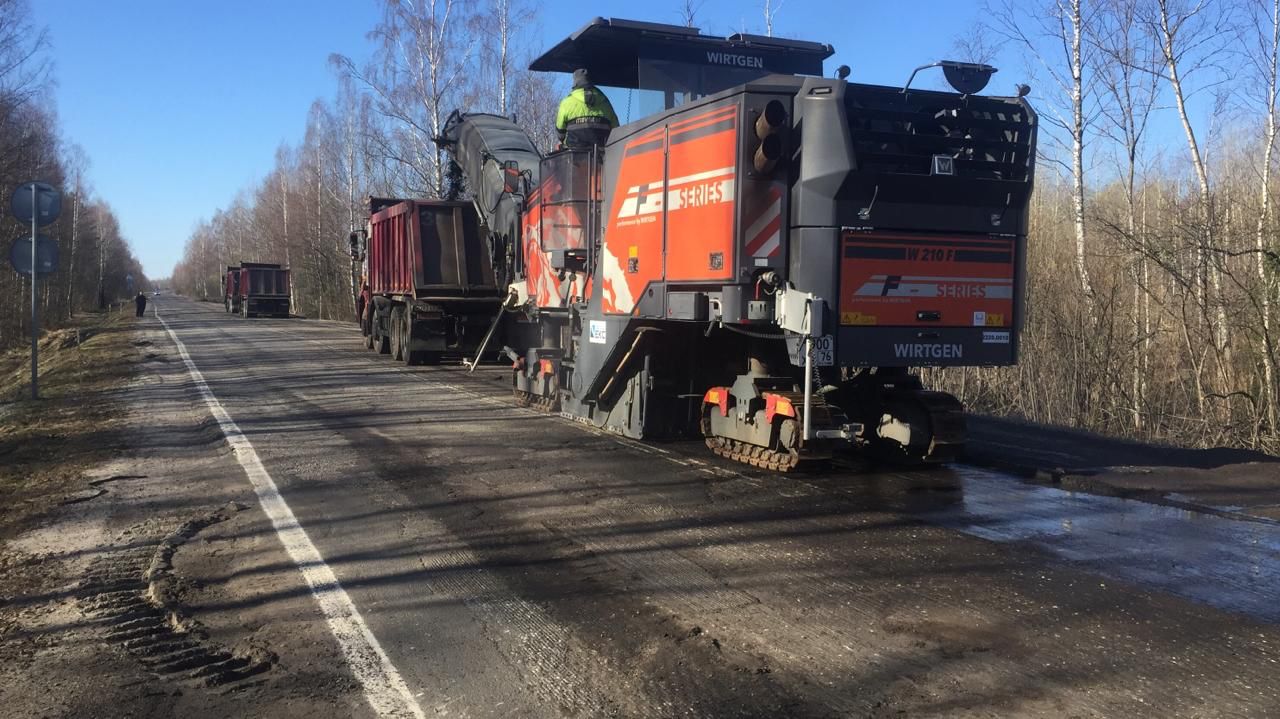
pixel 901 133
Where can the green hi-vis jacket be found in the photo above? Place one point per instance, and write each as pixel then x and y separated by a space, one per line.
pixel 585 102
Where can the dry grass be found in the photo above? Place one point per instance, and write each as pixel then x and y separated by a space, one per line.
pixel 46 445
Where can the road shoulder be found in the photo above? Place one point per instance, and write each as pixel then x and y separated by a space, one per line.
pixel 140 578
pixel 1236 483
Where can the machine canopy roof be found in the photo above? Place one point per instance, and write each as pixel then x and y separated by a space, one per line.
pixel 672 58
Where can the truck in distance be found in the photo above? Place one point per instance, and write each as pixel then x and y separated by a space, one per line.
pixel 253 289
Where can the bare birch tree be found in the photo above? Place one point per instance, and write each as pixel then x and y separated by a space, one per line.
pixel 77 164
pixel 1191 35
pixel 419 75
pixel 770 9
pixel 688 12
pixel 24 68
pixel 1125 61
pixel 1260 40
pixel 1052 33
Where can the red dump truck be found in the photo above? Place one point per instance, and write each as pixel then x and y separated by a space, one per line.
pixel 427 286
pixel 256 288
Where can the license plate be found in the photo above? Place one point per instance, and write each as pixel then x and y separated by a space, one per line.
pixel 824 351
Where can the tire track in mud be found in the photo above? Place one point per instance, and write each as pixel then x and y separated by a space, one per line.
pixel 130 594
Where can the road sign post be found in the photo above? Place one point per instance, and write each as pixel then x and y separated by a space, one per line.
pixel 40 203
pixel 35 307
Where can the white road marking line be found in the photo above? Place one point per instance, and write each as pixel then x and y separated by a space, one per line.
pixel 383 686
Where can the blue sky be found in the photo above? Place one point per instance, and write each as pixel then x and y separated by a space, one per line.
pixel 181 104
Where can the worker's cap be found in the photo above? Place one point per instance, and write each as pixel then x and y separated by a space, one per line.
pixel 581 78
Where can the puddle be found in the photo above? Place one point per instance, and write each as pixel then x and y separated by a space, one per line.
pixel 1229 564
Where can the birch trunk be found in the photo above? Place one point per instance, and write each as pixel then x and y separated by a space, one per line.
pixel 1265 283
pixel 1077 154
pixel 1206 237
pixel 71 262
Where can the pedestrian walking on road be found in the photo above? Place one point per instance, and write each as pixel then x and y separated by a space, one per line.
pixel 141 302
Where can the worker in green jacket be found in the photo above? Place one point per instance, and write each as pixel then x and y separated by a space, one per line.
pixel 586 116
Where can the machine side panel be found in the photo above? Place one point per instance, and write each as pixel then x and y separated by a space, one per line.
pixel 701 198
pixel 538 275
pixel 545 286
pixel 631 250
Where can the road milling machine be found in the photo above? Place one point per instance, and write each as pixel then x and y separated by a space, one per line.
pixel 763 258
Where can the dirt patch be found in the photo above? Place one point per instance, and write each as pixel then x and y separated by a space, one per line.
pixel 1236 483
pixel 47 444
pixel 135 595
pixel 1250 490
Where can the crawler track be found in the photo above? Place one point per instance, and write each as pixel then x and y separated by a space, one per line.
pixel 754 455
pixel 547 405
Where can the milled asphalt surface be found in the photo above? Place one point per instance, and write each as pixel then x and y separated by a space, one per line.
pixel 515 564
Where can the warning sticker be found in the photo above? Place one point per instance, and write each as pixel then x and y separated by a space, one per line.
pixel 856 318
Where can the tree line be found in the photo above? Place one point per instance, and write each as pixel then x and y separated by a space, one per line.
pixel 373 137
pixel 1153 259
pixel 1153 253
pixel 95 259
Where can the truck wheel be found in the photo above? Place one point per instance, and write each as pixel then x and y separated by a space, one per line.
pixel 368 336
pixel 397 334
pixel 384 345
pixel 411 356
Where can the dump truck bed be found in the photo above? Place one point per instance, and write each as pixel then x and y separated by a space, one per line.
pixel 260 279
pixel 429 249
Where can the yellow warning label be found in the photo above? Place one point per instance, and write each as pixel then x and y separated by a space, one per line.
pixel 633 251
pixel 856 318
pixel 995 320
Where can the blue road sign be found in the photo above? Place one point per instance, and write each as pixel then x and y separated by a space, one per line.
pixel 46 255
pixel 46 207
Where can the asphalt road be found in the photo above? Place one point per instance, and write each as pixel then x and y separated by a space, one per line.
pixel 507 563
